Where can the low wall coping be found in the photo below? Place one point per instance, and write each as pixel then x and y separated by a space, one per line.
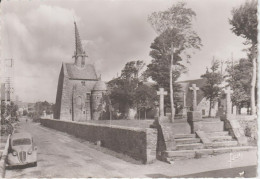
pixel 103 125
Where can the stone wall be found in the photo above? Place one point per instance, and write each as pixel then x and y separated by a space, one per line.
pixel 249 125
pixel 137 143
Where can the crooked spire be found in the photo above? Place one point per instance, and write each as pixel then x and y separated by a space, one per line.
pixel 79 53
pixel 79 49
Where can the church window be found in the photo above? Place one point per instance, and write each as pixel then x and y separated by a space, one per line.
pixel 83 83
pixel 84 112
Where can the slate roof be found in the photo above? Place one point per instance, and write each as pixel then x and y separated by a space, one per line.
pixel 86 73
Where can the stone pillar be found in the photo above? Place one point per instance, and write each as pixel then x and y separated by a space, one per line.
pixel 161 93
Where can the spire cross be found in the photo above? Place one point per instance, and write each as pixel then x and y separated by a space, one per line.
pixel 194 89
pixel 161 93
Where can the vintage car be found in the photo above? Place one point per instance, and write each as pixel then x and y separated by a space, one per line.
pixel 21 150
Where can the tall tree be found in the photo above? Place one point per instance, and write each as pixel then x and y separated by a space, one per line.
pixel 244 24
pixel 174 24
pixel 212 89
pixel 239 77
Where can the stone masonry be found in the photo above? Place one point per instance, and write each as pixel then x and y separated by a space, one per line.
pixel 79 89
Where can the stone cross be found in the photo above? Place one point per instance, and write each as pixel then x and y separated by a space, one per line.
pixel 194 103
pixel 228 92
pixel 161 92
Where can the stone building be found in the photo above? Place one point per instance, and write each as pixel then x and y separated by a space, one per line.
pixel 80 90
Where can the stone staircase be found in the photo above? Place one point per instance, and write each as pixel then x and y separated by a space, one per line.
pixel 220 139
pixel 187 142
pixel 192 146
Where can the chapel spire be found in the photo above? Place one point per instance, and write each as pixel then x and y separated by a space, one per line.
pixel 79 53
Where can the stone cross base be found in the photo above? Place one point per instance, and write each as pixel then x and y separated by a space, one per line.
pixel 193 116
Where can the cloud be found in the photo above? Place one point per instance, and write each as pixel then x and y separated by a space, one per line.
pixel 36 42
pixel 39 35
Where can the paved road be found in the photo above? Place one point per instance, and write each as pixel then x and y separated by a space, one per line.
pixel 62 155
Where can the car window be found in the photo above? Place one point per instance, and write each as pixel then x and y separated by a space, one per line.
pixel 24 141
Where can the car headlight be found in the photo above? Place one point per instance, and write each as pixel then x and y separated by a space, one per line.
pixel 29 152
pixel 14 153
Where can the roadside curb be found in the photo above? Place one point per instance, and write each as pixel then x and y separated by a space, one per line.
pixel 3 158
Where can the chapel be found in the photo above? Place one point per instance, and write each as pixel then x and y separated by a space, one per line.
pixel 80 89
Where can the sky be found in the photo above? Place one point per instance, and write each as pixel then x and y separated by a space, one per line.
pixel 39 36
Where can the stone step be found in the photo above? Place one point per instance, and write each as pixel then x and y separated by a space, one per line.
pixel 221 144
pixel 179 155
pixel 221 133
pixel 180 136
pixel 187 141
pixel 220 138
pixel 199 153
pixel 189 146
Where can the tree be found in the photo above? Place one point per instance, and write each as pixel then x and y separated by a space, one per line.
pixel 144 98
pixel 239 77
pixel 43 106
pixel 105 107
pixel 174 24
pixel 212 89
pixel 123 88
pixel 244 24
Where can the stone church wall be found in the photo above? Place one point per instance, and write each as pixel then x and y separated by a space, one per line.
pixel 66 106
pixel 137 143
pixel 59 95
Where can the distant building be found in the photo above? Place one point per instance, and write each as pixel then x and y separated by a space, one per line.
pixel 7 80
pixel 79 89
